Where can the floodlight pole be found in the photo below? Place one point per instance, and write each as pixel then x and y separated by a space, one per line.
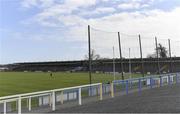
pixel 169 42
pixel 89 47
pixel 157 54
pixel 114 65
pixel 142 62
pixel 120 53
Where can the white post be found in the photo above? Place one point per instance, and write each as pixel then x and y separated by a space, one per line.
pixel 79 96
pixel 114 64
pixel 19 105
pixel 50 100
pixel 53 101
pixel 4 107
pixel 29 104
pixel 112 90
pixel 62 97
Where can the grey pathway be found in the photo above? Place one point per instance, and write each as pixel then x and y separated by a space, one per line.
pixel 164 99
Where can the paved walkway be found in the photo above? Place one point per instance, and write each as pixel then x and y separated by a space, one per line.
pixel 164 99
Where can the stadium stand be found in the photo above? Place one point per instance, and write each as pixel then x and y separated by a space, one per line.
pixel 102 65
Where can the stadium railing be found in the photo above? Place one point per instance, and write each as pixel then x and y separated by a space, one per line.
pixel 148 82
pixel 123 87
pixel 52 97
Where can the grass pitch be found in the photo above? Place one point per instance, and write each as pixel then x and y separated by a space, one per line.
pixel 23 82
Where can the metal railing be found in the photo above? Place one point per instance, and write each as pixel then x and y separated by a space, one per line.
pixel 51 93
pixel 148 82
pixel 111 89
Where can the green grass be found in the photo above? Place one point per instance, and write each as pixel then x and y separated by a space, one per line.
pixel 23 82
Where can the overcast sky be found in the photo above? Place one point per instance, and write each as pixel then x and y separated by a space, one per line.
pixel 55 30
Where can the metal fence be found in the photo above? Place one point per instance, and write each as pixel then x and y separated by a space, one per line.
pixel 25 102
pixel 148 82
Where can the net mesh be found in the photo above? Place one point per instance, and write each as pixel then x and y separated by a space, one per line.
pixel 148 47
pixel 175 46
pixel 103 43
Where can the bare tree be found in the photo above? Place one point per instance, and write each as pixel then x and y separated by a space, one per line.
pixel 162 52
pixel 94 56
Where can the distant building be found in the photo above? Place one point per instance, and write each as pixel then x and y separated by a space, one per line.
pixel 2 68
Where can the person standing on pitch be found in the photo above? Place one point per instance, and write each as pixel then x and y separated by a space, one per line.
pixel 51 75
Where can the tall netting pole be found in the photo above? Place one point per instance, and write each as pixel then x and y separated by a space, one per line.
pixel 142 62
pixel 114 66
pixel 120 53
pixel 157 56
pixel 130 71
pixel 163 54
pixel 170 57
pixel 89 47
pixel 175 54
